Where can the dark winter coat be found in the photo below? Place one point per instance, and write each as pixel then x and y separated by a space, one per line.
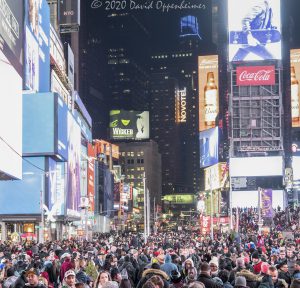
pixel 207 281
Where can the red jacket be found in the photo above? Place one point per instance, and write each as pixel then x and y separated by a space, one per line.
pixel 257 267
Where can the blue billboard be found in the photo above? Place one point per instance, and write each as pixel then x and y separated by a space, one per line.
pixel 209 147
pixel 44 125
pixel 23 196
pixel 37 46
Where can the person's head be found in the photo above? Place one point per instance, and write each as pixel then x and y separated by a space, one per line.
pixel 157 281
pixel 224 275
pixel 289 253
pixel 192 273
pixel 32 277
pixel 282 253
pixel 204 268
pixel 240 262
pixel 114 261
pixel 196 284
pixel 103 277
pixel 70 278
pixel 240 282
pixel 273 273
pixel 295 283
pixel 188 264
pixel 214 265
pixel 284 267
pixel 116 275
pixel 255 258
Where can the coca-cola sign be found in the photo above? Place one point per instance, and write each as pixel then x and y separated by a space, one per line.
pixel 255 75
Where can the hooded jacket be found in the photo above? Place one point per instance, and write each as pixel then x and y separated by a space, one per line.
pixel 251 278
pixel 168 266
pixel 148 273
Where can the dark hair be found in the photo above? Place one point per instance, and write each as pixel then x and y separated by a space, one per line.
pixel 114 272
pixel 204 267
pixel 224 275
pixel 125 283
pixel 79 285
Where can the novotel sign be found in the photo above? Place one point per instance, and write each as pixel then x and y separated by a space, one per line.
pixel 255 75
pixel 182 106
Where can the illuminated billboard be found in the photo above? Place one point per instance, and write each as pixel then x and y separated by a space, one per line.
pixel 216 176
pixel 254 30
pixel 255 75
pixel 245 199
pixel 132 125
pixel 256 166
pixel 295 74
pixel 91 177
pixel 11 69
pixel 209 150
pixel 69 12
pixel 180 106
pixel 56 187
pixel 73 170
pixel 208 76
pixel 180 198
pixel 37 46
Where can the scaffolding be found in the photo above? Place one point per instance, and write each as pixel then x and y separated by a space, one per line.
pixel 256 118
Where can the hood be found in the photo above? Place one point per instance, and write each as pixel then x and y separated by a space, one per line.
pixel 168 258
pixel 156 272
pixel 248 275
pixel 188 260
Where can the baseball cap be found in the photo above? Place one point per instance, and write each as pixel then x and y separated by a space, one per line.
pixel 70 273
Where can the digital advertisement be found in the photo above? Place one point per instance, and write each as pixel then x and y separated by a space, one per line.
pixel 73 170
pixel 295 92
pixel 129 125
pixel 208 76
pixel 209 147
pixel 255 31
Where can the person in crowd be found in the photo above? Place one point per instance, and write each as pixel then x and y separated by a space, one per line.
pixel 33 279
pixel 102 278
pixel 205 276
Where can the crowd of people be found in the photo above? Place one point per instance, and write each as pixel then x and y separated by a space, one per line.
pixel 172 259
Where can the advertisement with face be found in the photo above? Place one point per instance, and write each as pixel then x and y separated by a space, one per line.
pixel 295 96
pixel 209 152
pixel 254 30
pixel 37 45
pixel 74 144
pixel 208 77
pixel 129 124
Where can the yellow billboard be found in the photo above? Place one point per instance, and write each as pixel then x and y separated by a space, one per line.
pixel 295 76
pixel 208 79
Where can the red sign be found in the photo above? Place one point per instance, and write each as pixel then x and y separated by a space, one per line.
pixel 205 224
pixel 255 75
